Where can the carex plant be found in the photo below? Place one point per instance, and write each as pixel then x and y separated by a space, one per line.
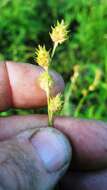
pixel 58 34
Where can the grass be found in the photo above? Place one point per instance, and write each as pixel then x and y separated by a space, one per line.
pixel 22 27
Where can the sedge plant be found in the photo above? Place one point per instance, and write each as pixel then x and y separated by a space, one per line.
pixel 58 34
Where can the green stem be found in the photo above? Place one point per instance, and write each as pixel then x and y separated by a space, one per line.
pixel 68 95
pixel 50 118
pixel 53 50
pixel 79 106
pixel 50 114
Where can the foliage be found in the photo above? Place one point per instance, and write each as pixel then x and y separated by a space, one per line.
pixel 24 24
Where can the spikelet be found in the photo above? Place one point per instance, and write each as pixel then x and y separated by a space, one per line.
pixel 59 32
pixel 45 81
pixel 56 103
pixel 42 57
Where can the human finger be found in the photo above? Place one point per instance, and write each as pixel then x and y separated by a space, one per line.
pixel 88 139
pixel 34 160
pixel 19 87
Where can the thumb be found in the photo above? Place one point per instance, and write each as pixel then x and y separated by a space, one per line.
pixel 34 162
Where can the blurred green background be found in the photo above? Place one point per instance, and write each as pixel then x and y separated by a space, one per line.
pixel 82 60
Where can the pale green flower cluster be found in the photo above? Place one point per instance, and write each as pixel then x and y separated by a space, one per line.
pixel 58 35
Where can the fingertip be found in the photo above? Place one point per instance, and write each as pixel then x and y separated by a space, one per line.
pixel 58 83
pixel 26 93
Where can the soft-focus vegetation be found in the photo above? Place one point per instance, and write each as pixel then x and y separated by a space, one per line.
pixel 24 24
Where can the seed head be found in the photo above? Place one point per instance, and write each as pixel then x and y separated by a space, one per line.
pixel 45 81
pixel 59 33
pixel 42 57
pixel 56 103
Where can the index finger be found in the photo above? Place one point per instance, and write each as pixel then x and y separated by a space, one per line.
pixel 19 87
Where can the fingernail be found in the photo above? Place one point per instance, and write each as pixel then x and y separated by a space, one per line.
pixel 53 148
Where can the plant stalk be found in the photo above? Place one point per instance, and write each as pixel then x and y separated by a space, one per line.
pixel 53 50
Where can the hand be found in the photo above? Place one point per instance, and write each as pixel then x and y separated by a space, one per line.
pixel 31 157
pixel 88 138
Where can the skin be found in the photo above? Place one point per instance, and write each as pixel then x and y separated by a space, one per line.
pixel 88 138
